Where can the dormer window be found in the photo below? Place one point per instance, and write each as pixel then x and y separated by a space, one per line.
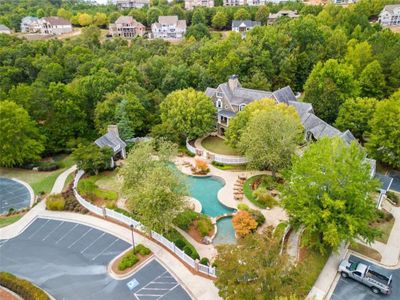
pixel 219 94
pixel 241 107
pixel 218 104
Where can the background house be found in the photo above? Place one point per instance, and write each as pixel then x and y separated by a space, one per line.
pixel 126 27
pixel 54 25
pixel 4 29
pixel 242 26
pixel 168 27
pixel 390 15
pixel 191 4
pixel 282 13
pixel 111 139
pixel 123 4
pixel 30 24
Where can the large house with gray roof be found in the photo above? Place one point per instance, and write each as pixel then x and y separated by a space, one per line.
pixel 168 28
pixel 111 139
pixel 242 26
pixel 230 97
pixel 390 15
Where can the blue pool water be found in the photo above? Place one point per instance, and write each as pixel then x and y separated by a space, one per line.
pixel 205 189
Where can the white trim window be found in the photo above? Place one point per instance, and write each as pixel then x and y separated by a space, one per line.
pixel 218 103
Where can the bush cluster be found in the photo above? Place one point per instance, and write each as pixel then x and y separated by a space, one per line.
pixel 180 242
pixel 383 216
pixel 185 219
pixel 204 225
pixel 71 204
pixel 204 261
pixel 264 197
pixel 127 261
pixel 142 250
pixel 22 287
pixel 243 206
pixel 258 216
pixel 55 202
pixel 45 166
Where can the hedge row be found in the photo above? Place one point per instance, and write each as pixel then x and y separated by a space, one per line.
pixel 22 287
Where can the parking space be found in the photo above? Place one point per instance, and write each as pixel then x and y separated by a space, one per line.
pixel 70 260
pixel 350 289
pixel 13 195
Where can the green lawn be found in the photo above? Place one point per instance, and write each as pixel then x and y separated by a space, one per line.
pixel 217 145
pixel 39 181
pixel 265 184
pixel 9 220
pixel 386 229
pixel 367 251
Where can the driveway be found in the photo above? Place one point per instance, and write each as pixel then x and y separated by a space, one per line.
pixel 352 290
pixel 396 180
pixel 69 260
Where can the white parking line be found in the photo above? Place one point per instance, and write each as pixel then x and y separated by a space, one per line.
pixel 105 249
pixel 38 229
pixel 66 233
pixel 93 242
pixel 170 290
pixel 90 229
pixel 137 294
pixel 53 230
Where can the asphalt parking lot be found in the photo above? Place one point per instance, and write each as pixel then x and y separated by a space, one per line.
pixel 13 195
pixel 69 260
pixel 352 290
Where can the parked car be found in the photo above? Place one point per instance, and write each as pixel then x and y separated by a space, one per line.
pixel 363 273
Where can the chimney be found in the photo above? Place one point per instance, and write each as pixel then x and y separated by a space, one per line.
pixel 233 82
pixel 113 129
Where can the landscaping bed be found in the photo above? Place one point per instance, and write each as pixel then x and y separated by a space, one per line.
pixel 197 225
pixel 179 240
pixel 131 259
pixel 218 145
pixel 367 251
pixel 22 287
pixel 229 167
pixel 384 223
pixel 9 219
pixel 65 201
pixel 393 197
pixel 262 190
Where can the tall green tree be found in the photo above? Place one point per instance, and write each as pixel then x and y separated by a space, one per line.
pixel 155 192
pixel 219 20
pixel 355 114
pixel 20 141
pixel 328 192
pixel 328 86
pixel 242 14
pixel 262 14
pixel 270 139
pixel 240 122
pixel 372 81
pixel 91 158
pixel 198 31
pixel 383 140
pixel 359 55
pixel 198 17
pixel 255 269
pixel 188 112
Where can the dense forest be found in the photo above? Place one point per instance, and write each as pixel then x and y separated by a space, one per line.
pixel 67 91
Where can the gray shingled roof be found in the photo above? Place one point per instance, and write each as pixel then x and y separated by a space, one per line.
pixel 227 113
pixel 246 23
pixel 284 95
pixel 348 137
pixel 391 8
pixel 303 109
pixel 241 95
pixel 319 128
pixel 110 139
pixel 57 21
pixel 3 27
pixel 210 92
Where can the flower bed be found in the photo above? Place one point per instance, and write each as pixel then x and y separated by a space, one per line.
pixel 22 287
pixel 127 262
pixel 197 225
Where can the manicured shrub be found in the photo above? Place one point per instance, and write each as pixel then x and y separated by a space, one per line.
pixel 258 216
pixel 204 225
pixel 180 244
pixel 187 250
pixel 185 219
pixel 48 166
pixel 201 167
pixel 22 287
pixel 204 261
pixel 127 261
pixel 194 255
pixel 174 236
pixel 264 197
pixel 55 202
pixel 243 206
pixel 243 223
pixel 268 182
pixel 142 250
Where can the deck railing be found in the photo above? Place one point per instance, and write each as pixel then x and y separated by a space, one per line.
pixel 109 213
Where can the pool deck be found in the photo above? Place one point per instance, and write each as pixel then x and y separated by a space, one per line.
pixel 273 216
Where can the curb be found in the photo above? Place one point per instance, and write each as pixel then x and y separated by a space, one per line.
pixel 132 271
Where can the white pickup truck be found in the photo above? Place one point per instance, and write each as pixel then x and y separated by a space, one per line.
pixel 358 271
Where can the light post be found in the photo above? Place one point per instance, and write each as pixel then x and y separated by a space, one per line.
pixel 133 238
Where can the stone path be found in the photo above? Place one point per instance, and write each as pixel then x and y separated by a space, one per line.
pixel 198 286
pixel 292 245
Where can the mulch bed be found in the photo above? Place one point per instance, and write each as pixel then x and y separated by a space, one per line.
pixel 142 259
pixel 195 234
pixel 7 295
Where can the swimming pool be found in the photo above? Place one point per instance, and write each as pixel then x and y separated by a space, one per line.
pixel 205 189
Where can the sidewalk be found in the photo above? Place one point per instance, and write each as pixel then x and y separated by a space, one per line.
pixel 198 286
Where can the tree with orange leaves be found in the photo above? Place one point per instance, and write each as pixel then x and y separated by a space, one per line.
pixel 243 223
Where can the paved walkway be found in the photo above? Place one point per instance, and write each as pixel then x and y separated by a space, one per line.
pixel 198 286
pixel 293 245
pixel 60 181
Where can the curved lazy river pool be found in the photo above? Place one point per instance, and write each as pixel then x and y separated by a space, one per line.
pixel 205 189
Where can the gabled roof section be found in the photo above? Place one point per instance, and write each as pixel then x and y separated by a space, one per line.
pixel 302 108
pixel 210 92
pixel 319 128
pixel 111 140
pixel 55 21
pixel 284 95
pixel 245 23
